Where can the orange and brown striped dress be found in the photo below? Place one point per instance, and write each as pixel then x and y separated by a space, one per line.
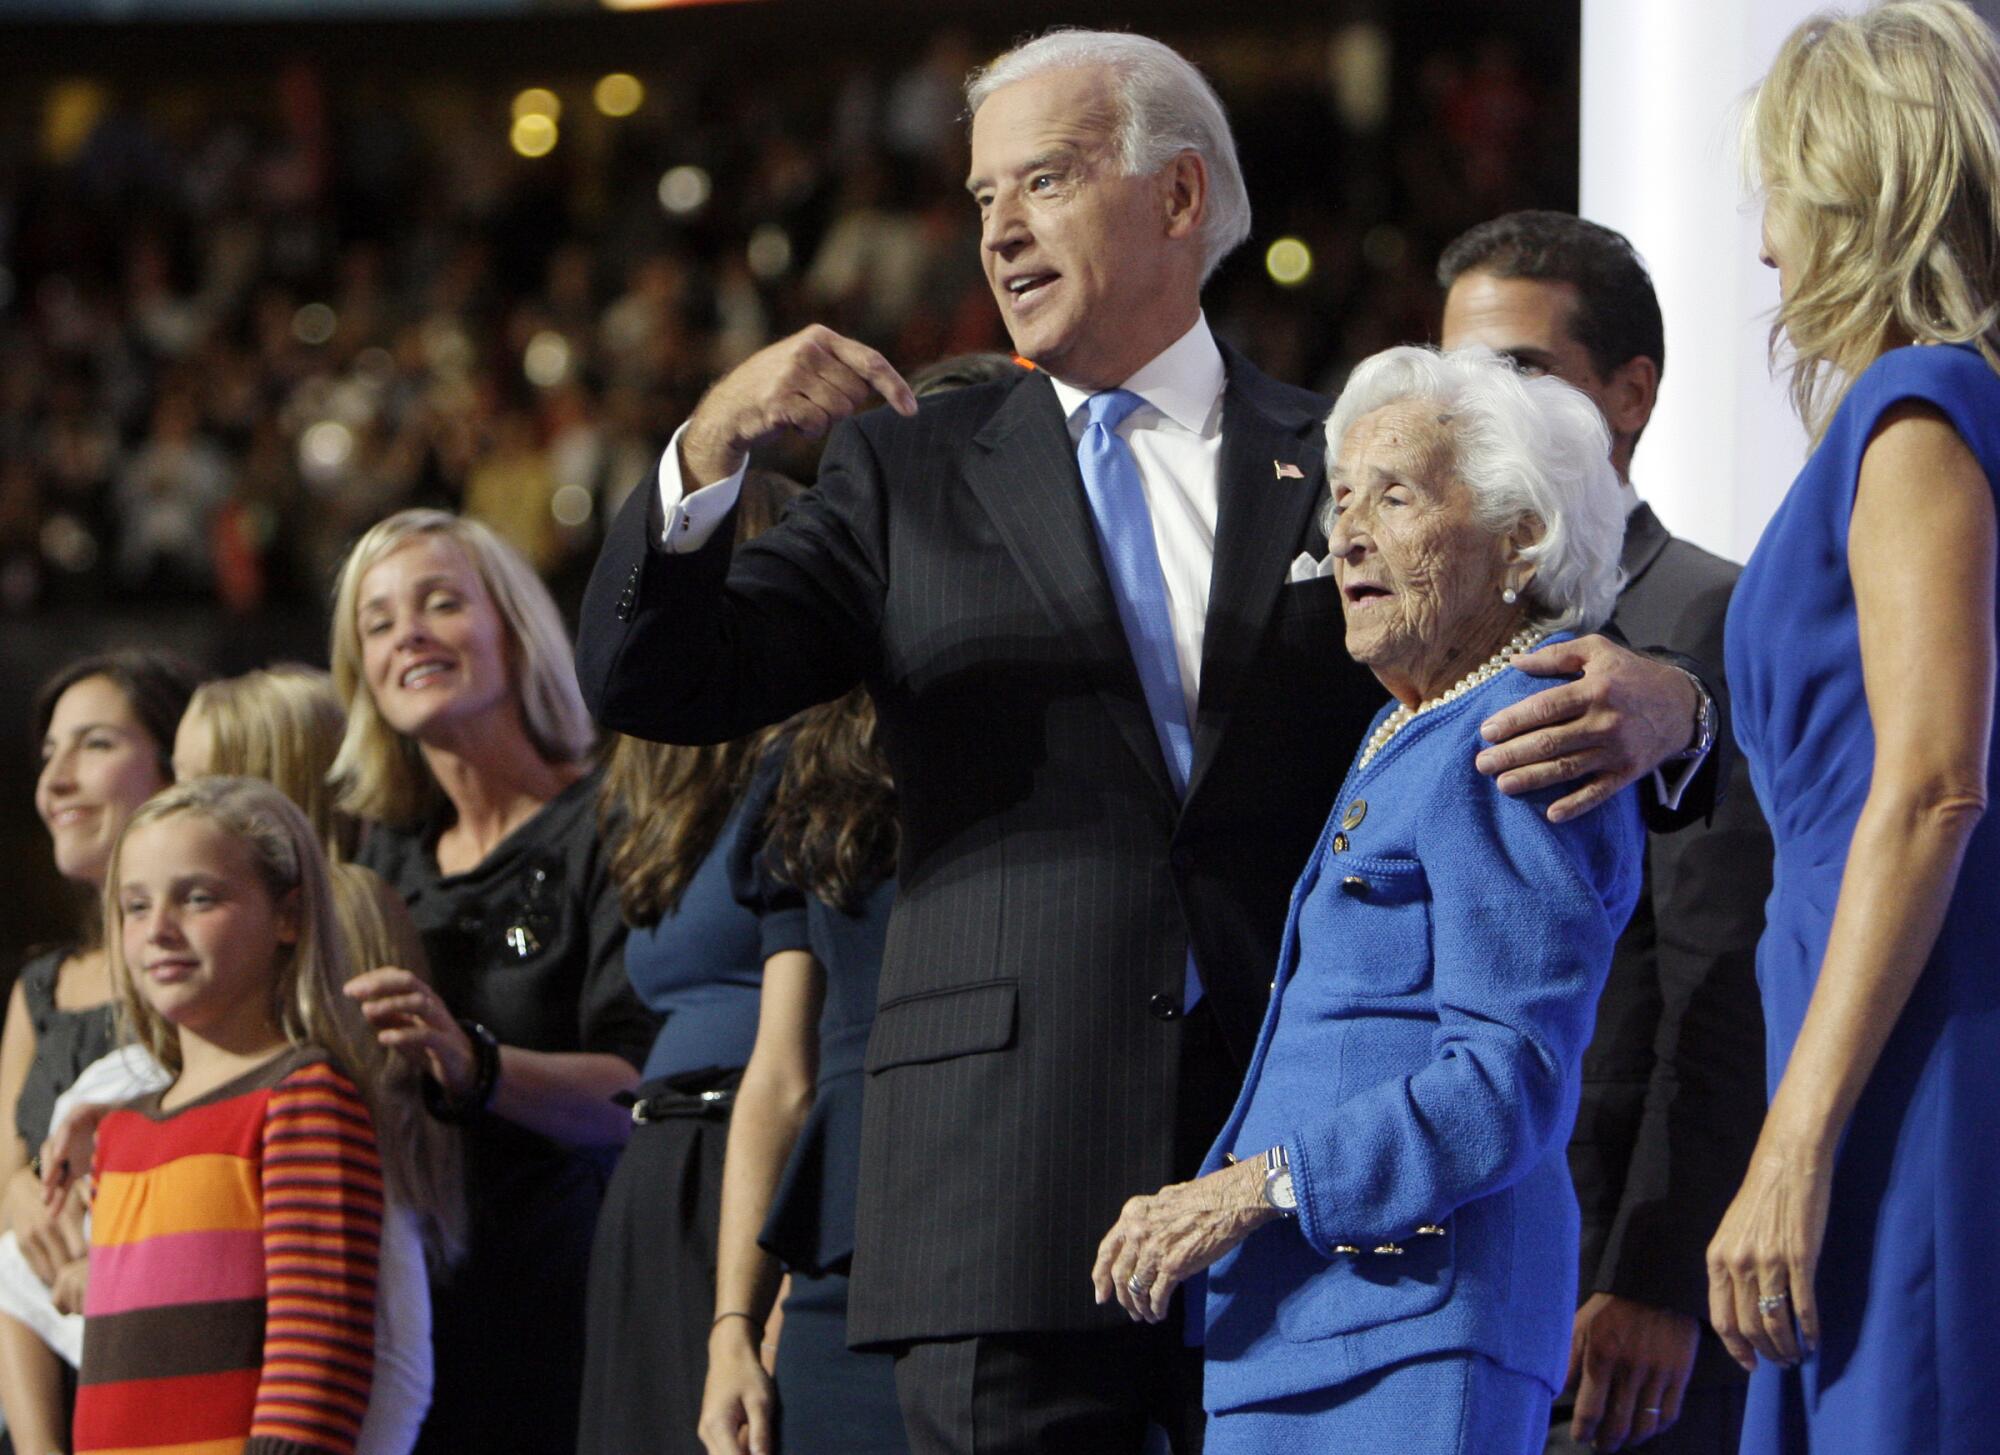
pixel 233 1252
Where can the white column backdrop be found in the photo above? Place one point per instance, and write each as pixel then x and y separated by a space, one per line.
pixel 1662 90
pixel 1663 83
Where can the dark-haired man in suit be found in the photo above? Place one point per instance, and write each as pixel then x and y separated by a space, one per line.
pixel 1116 729
pixel 1674 1076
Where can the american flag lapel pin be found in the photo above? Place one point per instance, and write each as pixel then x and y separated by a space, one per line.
pixel 1287 471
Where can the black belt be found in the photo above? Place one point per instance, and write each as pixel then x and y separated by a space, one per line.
pixel 706 1093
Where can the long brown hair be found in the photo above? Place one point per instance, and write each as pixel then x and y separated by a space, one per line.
pixel 834 831
pixel 662 806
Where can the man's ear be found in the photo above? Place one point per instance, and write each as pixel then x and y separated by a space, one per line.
pixel 1185 190
pixel 1630 392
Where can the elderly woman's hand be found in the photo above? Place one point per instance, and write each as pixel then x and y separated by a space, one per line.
pixel 1161 1241
pixel 1762 1259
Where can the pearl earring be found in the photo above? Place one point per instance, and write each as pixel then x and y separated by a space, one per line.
pixel 1510 595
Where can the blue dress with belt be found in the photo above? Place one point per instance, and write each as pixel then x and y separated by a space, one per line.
pixel 1909 1278
pixel 1420 1062
pixel 699 967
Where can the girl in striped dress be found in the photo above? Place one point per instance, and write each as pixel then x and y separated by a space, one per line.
pixel 236 1226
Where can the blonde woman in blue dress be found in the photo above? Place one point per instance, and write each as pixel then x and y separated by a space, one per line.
pixel 1856 1270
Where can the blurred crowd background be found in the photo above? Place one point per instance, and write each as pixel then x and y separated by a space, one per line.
pixel 261 284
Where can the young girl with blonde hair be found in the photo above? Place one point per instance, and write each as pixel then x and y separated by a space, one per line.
pixel 237 1220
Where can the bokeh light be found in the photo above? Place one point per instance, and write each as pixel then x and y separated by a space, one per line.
pixel 571 506
pixel 619 94
pixel 314 324
pixel 324 450
pixel 684 190
pixel 534 136
pixel 546 359
pixel 770 252
pixel 538 101
pixel 1289 262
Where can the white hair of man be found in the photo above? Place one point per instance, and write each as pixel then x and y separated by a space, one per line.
pixel 1526 447
pixel 1165 106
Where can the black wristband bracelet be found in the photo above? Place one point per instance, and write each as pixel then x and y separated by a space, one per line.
pixel 485 1077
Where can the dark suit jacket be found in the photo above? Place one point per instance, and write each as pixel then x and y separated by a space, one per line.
pixel 1025 1069
pixel 1673 1091
pixel 1025 1063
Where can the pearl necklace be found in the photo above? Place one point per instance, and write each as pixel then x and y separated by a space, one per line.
pixel 1524 640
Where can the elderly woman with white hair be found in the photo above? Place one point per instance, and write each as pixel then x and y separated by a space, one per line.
pixel 1386 1220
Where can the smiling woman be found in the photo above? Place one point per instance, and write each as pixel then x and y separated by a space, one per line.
pixel 467 747
pixel 105 723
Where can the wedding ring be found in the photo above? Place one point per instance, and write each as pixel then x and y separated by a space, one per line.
pixel 1138 1285
pixel 1653 1410
pixel 1770 1303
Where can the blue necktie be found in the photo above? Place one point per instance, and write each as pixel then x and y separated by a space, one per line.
pixel 1125 539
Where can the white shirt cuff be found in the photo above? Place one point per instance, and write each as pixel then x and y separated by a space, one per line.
pixel 1682 774
pixel 691 516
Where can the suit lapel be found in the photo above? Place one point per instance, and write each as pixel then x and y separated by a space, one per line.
pixel 1022 467
pixel 1261 523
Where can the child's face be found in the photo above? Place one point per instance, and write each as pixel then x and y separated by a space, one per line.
pixel 200 932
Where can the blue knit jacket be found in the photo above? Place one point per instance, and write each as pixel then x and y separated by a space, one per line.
pixel 1420 1059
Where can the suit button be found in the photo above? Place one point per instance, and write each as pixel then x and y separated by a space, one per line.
pixel 1355 885
pixel 1164 1008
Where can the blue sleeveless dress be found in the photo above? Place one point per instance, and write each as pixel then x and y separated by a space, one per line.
pixel 1909 1283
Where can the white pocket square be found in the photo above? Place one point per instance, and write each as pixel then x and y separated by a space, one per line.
pixel 1307 567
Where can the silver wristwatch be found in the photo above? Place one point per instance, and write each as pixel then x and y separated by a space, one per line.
pixel 1278 1193
pixel 1704 722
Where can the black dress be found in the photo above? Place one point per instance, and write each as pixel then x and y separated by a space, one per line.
pixel 530 944
pixel 66 1041
pixel 652 1271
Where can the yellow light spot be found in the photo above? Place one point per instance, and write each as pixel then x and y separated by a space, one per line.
pixel 619 94
pixel 69 117
pixel 1289 262
pixel 538 101
pixel 534 136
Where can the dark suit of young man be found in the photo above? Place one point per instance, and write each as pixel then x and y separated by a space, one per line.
pixel 1673 1092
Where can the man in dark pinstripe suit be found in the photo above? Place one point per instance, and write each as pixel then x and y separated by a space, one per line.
pixel 1084 933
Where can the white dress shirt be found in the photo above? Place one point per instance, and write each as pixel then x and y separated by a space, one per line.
pixel 1176 437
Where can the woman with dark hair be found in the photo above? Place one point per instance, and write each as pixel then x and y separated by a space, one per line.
pixel 680 824
pixel 788 1184
pixel 105 725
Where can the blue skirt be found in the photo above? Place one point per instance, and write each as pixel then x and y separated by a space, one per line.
pixel 1451 1404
